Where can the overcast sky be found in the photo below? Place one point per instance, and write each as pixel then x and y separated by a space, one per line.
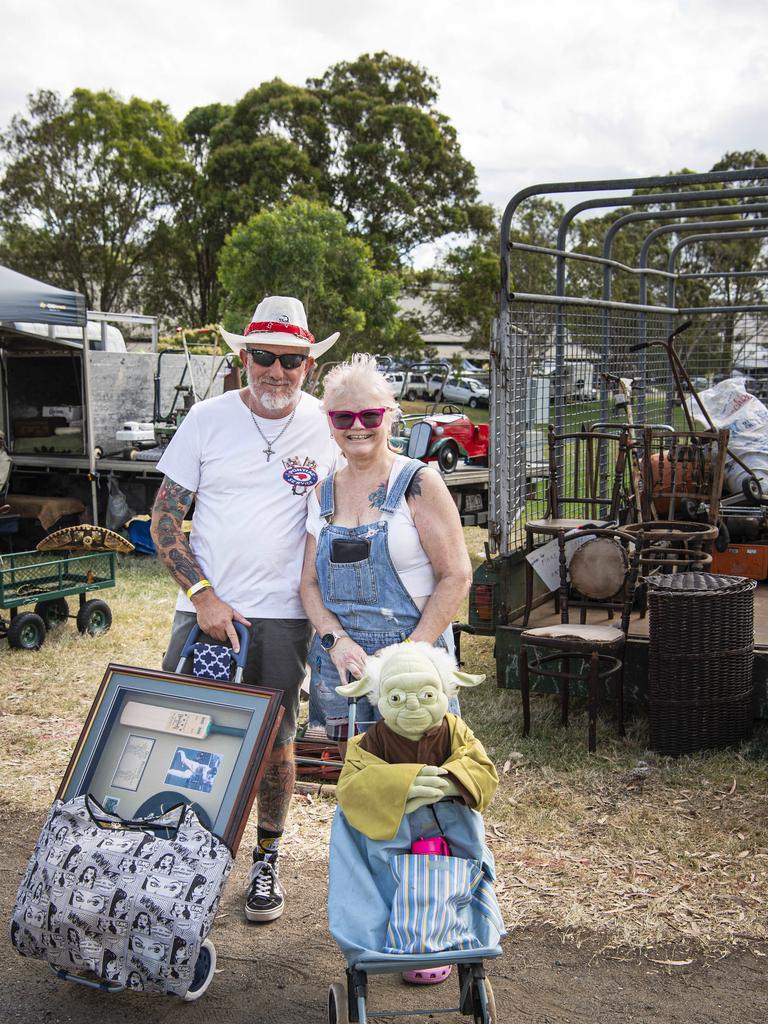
pixel 541 90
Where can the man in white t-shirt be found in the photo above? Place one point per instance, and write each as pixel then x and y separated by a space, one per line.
pixel 249 459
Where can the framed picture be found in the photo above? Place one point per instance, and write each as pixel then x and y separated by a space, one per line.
pixel 153 740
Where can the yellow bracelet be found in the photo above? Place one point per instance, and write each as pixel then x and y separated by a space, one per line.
pixel 197 587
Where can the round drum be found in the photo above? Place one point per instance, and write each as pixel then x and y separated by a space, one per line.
pixel 598 568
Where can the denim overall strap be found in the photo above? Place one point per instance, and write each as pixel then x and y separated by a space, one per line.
pixel 326 498
pixel 400 486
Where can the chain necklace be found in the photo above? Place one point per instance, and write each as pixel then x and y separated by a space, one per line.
pixel 268 451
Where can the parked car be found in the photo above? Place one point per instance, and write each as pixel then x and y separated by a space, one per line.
pixel 465 391
pixel 445 438
pixel 415 385
pixel 435 382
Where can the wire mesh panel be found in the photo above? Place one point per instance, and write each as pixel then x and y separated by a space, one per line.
pixel 572 368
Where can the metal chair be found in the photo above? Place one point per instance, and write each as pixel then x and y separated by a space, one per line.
pixel 599 574
pixel 588 474
pixel 683 474
pixel 682 482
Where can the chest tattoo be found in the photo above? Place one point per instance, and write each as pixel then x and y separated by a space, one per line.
pixel 378 497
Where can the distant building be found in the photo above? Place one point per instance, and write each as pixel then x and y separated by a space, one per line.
pixel 446 343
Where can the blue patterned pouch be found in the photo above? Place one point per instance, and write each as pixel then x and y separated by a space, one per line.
pixel 211 661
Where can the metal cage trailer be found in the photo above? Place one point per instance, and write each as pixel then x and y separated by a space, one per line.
pixel 630 263
pixel 29 577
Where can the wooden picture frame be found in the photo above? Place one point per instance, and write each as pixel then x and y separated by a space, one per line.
pixel 153 740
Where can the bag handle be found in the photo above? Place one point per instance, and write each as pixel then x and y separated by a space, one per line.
pixel 152 824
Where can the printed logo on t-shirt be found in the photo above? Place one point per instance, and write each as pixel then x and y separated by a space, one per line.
pixel 300 474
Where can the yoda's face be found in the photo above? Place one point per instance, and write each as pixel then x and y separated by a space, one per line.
pixel 412 705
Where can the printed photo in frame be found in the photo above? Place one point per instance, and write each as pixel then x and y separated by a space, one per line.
pixel 153 740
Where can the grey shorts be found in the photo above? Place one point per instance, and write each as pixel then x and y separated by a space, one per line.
pixel 277 658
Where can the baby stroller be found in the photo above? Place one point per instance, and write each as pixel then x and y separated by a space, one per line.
pixel 364 891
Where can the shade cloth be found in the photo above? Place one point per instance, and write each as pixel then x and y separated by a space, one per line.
pixel 24 298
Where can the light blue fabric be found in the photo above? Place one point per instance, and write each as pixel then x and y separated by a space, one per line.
pixel 362 886
pixel 369 600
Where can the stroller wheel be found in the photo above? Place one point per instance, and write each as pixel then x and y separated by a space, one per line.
pixel 338 1009
pixel 483 1014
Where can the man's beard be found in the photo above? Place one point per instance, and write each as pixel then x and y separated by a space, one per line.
pixel 275 399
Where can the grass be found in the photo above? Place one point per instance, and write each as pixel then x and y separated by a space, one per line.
pixel 633 847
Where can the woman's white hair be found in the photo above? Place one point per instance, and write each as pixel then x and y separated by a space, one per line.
pixel 443 663
pixel 358 377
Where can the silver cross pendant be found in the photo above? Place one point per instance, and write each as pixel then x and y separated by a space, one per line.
pixel 268 451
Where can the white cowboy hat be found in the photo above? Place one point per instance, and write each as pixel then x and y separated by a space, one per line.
pixel 279 320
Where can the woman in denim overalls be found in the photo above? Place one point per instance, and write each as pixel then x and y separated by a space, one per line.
pixel 366 540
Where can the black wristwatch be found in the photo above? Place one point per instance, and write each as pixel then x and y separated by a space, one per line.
pixel 329 640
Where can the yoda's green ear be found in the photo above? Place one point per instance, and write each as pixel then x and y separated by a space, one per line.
pixel 465 679
pixel 357 688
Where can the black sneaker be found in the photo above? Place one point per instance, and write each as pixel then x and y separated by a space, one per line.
pixel 205 968
pixel 264 901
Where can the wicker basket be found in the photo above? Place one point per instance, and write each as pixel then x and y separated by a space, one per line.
pixel 700 662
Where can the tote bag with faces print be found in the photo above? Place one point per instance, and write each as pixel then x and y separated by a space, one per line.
pixel 128 901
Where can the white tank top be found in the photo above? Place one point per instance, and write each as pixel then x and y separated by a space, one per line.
pixel 408 556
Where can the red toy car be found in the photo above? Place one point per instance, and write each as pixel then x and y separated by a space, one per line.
pixel 445 438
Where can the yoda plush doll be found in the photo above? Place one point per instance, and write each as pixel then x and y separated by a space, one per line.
pixel 420 752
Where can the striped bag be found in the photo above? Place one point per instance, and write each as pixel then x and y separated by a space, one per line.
pixel 432 909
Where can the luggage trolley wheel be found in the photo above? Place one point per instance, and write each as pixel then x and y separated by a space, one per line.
pixel 338 1008
pixel 205 968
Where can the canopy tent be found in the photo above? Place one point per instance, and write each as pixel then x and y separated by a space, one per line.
pixel 25 299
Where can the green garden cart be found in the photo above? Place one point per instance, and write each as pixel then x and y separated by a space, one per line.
pixel 29 577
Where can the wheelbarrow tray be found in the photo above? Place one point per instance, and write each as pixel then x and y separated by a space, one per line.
pixel 30 576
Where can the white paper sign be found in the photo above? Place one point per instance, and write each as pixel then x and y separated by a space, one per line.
pixel 545 560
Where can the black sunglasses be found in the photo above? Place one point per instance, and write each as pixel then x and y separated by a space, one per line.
pixel 288 360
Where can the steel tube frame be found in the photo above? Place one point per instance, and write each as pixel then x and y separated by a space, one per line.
pixel 716 227
pixel 666 214
pixel 606 203
pixel 497 527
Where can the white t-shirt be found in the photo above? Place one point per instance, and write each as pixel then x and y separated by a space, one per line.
pixel 249 522
pixel 408 556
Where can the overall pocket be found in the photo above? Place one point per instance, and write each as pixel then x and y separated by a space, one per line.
pixel 352 582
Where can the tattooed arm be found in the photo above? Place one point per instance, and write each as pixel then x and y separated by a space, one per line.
pixel 214 616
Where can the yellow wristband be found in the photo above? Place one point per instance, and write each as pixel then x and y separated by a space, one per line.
pixel 197 587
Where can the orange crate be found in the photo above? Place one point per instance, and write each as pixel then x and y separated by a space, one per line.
pixel 749 560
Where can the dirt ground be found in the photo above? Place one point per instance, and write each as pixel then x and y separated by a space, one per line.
pixel 281 971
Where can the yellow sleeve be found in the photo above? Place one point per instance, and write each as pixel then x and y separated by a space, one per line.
pixel 372 793
pixel 470 765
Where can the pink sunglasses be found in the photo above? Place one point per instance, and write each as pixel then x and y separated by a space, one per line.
pixel 369 418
